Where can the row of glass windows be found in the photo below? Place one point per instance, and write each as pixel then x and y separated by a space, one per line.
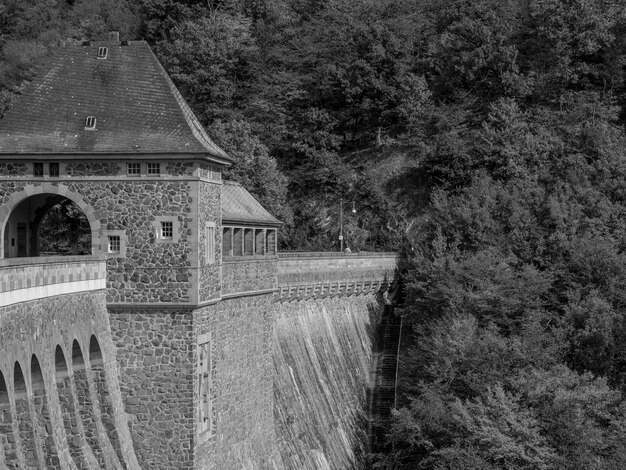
pixel 241 241
pixel 38 168
pixel 132 169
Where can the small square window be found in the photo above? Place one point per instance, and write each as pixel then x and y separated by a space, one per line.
pixel 154 168
pixel 114 244
pixel 54 169
pixel 103 52
pixel 38 169
pixel 134 168
pixel 167 229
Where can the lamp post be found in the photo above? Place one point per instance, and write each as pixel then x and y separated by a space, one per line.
pixel 341 222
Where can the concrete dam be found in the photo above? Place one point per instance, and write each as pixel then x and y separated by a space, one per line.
pixel 178 338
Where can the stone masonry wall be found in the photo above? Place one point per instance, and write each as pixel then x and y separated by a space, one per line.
pixel 13 169
pixel 249 274
pixel 156 361
pixel 29 334
pixel 244 436
pixel 151 270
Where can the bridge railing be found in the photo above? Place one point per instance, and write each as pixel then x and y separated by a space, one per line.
pixel 25 279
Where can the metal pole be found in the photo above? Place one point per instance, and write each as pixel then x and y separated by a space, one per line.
pixel 341 225
pixel 395 387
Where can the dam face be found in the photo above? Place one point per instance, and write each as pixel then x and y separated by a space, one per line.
pixel 322 358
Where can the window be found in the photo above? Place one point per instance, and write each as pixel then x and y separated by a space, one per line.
pixel 114 244
pixel 259 242
pixel 227 241
pixel 54 169
pixel 103 52
pixel 154 168
pixel 134 168
pixel 210 243
pixel 90 123
pixel 167 230
pixel 248 242
pixel 271 242
pixel 37 169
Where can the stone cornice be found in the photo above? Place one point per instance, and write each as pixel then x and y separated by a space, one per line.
pixel 312 291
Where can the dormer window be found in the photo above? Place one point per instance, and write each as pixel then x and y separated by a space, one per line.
pixel 103 52
pixel 90 123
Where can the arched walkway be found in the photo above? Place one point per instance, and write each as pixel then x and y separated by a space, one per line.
pixel 21 218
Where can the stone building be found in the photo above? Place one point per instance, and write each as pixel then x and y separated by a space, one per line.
pixel 105 127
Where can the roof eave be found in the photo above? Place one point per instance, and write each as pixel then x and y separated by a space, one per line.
pixel 205 157
pixel 252 223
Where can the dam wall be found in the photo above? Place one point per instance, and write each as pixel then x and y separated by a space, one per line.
pixel 322 356
pixel 60 402
pixel 328 306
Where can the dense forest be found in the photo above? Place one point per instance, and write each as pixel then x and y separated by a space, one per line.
pixel 483 138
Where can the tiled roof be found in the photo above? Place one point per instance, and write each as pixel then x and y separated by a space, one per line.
pixel 137 107
pixel 240 207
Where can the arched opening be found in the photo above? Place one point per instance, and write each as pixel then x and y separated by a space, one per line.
pixel 7 434
pixel 42 418
pixel 47 225
pixel 24 419
pixel 85 404
pixel 68 407
pixel 102 393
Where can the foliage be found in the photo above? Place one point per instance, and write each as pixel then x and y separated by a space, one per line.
pixel 64 230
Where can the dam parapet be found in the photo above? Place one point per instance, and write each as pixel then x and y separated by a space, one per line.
pixel 25 279
pixel 307 275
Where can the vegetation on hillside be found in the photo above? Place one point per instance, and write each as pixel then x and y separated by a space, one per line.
pixel 485 138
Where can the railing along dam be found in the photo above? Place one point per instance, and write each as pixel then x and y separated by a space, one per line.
pixel 60 404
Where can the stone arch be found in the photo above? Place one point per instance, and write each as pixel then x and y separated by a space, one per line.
pixel 45 188
pixel 7 434
pixel 103 395
pixel 24 419
pixel 42 420
pixel 68 407
pixel 85 404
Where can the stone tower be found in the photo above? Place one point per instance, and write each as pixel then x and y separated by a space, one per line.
pixel 106 128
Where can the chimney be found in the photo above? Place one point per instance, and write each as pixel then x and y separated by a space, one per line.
pixel 113 38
